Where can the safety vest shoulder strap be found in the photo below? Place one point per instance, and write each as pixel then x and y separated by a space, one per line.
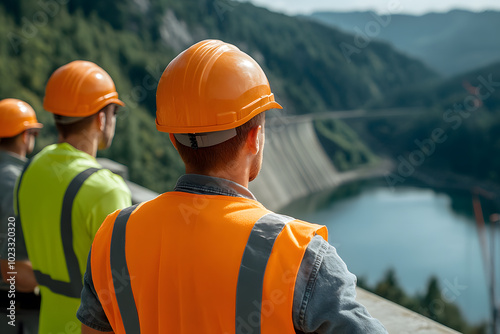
pixel 118 263
pixel 74 287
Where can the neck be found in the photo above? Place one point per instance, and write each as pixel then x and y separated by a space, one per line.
pixel 231 173
pixel 87 144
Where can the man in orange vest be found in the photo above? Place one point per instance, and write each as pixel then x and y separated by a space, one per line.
pixel 208 257
pixel 18 129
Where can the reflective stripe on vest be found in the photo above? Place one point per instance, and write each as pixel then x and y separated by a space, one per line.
pixel 118 262
pixel 250 279
pixel 253 267
pixel 73 288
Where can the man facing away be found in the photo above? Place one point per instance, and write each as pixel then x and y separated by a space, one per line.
pixel 208 257
pixel 64 195
pixel 18 129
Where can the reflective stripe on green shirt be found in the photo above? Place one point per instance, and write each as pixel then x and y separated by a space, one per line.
pixel 40 202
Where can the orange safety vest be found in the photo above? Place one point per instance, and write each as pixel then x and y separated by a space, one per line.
pixel 186 263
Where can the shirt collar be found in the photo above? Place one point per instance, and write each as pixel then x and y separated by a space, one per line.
pixel 209 185
pixel 12 157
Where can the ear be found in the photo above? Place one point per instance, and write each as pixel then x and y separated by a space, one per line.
pixel 26 137
pixel 253 140
pixel 172 139
pixel 101 120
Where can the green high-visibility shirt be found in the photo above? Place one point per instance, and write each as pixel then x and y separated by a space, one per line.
pixel 41 194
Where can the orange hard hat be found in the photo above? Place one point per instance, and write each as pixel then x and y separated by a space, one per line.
pixel 79 89
pixel 211 86
pixel 16 116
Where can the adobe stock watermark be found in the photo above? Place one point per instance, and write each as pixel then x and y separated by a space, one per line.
pixel 71 327
pixel 149 83
pixel 116 284
pixel 449 294
pixel 267 306
pixel 363 36
pixel 454 118
pixel 276 121
pixel 30 26
pixel 224 6
pixel 451 291
pixel 279 120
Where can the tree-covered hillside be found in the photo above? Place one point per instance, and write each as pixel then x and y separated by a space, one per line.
pixel 135 39
pixel 467 110
pixel 30 51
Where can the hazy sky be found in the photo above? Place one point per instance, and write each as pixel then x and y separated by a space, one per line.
pixel 383 6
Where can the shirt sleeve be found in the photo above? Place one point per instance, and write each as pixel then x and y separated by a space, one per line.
pixel 90 313
pixel 7 210
pixel 324 299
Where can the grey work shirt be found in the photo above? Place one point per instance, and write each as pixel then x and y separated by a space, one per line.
pixel 324 297
pixel 11 166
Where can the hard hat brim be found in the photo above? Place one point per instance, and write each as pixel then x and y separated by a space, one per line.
pixel 18 131
pixel 35 126
pixel 117 101
pixel 197 129
pixel 107 102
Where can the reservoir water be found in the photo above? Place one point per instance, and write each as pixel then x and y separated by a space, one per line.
pixel 415 231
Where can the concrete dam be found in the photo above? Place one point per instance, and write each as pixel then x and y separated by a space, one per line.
pixel 296 165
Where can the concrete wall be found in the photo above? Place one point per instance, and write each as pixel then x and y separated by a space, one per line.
pixel 294 166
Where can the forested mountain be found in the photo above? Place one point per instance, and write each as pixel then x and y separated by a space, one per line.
pixel 451 43
pixel 135 39
pixel 465 107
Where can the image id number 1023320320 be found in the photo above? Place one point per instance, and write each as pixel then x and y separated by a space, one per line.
pixel 11 273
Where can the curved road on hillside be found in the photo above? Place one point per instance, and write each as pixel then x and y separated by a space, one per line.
pixel 282 118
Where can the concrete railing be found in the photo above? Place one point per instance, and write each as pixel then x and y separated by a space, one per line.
pixel 397 319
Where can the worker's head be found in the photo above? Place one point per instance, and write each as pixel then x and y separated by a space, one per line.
pixel 18 126
pixel 83 98
pixel 212 100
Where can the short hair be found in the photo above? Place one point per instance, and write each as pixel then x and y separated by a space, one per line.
pixel 205 159
pixel 8 142
pixel 65 130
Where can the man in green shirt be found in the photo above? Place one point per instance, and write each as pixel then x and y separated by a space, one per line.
pixel 64 194
pixel 18 129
